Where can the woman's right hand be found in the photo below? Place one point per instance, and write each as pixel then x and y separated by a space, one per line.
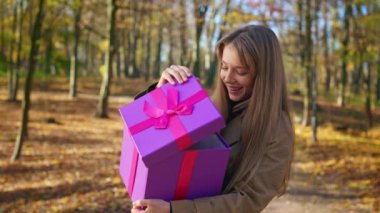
pixel 174 72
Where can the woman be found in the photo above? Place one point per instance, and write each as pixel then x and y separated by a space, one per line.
pixel 251 95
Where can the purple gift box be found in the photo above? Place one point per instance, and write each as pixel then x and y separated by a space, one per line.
pixel 169 147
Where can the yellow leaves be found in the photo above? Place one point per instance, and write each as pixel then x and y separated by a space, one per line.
pixel 104 45
pixel 103 70
pixel 331 163
pixel 360 184
pixel 113 180
pixel 52 4
pixel 328 135
pixel 237 17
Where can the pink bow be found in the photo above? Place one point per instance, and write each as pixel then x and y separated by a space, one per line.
pixel 173 108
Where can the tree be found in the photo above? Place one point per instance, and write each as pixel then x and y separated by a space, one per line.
pixel 313 70
pixel 111 49
pixel 213 66
pixel 325 41
pixel 345 53
pixel 157 60
pixel 28 82
pixel 183 33
pixel 136 38
pixel 148 43
pixel 368 95
pixel 210 31
pixel 2 30
pixel 74 57
pixel 200 10
pixel 11 71
pixel 15 46
pixel 19 47
pixel 378 79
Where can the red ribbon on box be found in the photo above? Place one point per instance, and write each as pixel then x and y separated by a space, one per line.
pixel 166 115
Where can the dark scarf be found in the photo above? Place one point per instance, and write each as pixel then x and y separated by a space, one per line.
pixel 236 108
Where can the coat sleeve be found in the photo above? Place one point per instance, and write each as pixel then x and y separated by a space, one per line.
pixel 150 88
pixel 260 189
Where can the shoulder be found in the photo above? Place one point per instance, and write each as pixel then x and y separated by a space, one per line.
pixel 284 132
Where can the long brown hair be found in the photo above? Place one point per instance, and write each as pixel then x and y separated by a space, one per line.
pixel 259 50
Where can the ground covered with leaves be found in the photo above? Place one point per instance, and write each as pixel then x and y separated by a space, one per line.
pixel 70 159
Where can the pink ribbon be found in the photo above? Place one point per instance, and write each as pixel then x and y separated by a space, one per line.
pixel 173 108
pixel 159 117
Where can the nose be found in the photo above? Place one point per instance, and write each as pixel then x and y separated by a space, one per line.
pixel 229 76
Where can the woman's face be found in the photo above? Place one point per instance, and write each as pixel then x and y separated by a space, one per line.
pixel 236 77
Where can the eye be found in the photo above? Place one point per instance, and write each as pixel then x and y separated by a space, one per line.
pixel 224 68
pixel 242 72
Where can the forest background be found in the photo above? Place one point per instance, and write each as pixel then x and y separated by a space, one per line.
pixel 66 66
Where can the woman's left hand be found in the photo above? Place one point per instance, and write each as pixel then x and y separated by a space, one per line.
pixel 151 206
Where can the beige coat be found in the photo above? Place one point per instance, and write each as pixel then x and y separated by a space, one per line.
pixel 264 184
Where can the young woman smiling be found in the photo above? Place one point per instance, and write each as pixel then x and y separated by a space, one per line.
pixel 251 95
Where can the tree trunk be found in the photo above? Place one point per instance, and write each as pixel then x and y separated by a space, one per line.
pixel 19 46
pixel 49 50
pixel 28 82
pixel 305 42
pixel 148 45
pixel 210 30
pixel 308 65
pixel 314 77
pixel 118 57
pixel 214 62
pixel 183 34
pixel 378 79
pixel 31 16
pixel 301 35
pixel 11 71
pixel 326 53
pixel 171 41
pixel 74 59
pixel 358 74
pixel 2 29
pixel 157 62
pixel 334 83
pixel 358 34
pixel 126 53
pixel 368 96
pixel 67 52
pixel 105 88
pixel 200 10
pixel 88 53
pixel 136 36
pixel 345 43
pixel 314 120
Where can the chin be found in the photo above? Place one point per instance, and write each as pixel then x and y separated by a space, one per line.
pixel 235 98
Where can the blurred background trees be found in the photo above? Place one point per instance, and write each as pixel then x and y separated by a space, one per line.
pixel 331 48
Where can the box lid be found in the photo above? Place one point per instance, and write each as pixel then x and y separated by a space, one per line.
pixel 170 119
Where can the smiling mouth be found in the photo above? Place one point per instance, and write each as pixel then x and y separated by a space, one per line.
pixel 234 90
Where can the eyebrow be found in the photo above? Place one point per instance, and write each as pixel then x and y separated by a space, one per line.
pixel 242 67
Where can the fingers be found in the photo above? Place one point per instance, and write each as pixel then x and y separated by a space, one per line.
pixel 179 73
pixel 174 73
pixel 186 70
pixel 168 77
pixel 139 206
pixel 141 203
pixel 136 210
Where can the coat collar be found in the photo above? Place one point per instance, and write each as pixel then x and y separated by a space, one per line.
pixel 232 132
